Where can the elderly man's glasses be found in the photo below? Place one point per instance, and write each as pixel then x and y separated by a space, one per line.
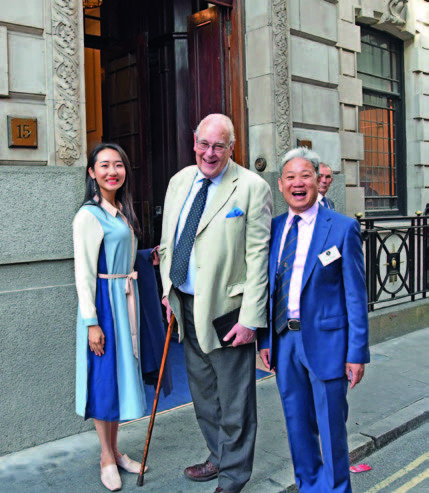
pixel 217 148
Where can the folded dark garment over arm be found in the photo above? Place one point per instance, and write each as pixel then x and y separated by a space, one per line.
pixel 152 329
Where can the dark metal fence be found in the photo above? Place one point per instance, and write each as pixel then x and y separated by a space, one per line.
pixel 397 259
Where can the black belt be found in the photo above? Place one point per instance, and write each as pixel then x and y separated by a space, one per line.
pixel 185 295
pixel 293 324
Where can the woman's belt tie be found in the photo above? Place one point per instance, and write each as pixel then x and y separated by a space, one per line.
pixel 131 302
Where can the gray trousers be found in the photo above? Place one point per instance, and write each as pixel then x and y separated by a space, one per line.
pixel 223 389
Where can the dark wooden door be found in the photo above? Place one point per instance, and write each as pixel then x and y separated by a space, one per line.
pixel 208 64
pixel 125 118
pixel 216 68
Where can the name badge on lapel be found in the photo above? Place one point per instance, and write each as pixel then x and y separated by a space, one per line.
pixel 329 256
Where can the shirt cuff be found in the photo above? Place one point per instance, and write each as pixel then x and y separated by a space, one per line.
pixel 250 327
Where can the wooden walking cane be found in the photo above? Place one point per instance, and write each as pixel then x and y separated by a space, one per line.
pixel 140 479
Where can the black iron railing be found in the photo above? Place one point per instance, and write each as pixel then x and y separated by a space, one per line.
pixel 396 258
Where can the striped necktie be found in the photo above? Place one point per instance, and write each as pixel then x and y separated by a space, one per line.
pixel 325 202
pixel 182 252
pixel 284 273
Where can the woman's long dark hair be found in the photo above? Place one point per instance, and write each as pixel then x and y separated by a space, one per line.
pixel 123 195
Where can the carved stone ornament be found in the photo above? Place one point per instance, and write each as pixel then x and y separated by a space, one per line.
pixel 395 13
pixel 281 76
pixel 66 80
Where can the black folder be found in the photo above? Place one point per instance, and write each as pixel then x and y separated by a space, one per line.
pixel 224 324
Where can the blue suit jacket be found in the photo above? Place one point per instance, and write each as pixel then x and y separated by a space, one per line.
pixel 333 302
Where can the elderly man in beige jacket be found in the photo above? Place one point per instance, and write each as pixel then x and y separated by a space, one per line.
pixel 214 254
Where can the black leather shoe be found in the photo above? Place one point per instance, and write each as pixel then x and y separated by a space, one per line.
pixel 202 472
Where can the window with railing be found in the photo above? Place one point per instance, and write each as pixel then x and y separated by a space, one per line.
pixel 381 122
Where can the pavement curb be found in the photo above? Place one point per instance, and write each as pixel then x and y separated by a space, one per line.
pixel 397 424
pixel 360 446
pixel 382 433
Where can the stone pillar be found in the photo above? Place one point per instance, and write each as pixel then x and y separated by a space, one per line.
pixel 268 87
pixel 350 90
pixel 68 86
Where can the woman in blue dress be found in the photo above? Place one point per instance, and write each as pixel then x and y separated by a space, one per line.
pixel 109 386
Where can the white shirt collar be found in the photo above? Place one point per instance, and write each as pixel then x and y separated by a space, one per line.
pixel 308 216
pixel 216 180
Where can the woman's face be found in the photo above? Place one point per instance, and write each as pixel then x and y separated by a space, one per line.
pixel 109 171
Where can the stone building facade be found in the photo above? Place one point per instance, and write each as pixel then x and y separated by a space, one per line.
pixel 308 88
pixel 41 59
pixel 301 83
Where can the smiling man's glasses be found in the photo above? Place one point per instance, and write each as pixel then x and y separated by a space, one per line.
pixel 202 145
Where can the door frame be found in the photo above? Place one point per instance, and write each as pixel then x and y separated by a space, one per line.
pixel 238 96
pixel 235 86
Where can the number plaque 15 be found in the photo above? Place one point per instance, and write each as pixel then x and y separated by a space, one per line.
pixel 22 132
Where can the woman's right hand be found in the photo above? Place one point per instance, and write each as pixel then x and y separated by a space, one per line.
pixel 96 339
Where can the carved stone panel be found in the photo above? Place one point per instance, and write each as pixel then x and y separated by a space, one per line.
pixel 68 125
pixel 281 76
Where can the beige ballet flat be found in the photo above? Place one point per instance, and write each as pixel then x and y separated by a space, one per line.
pixel 128 464
pixel 110 477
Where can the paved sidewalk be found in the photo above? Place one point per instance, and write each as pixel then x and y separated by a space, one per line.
pixel 392 399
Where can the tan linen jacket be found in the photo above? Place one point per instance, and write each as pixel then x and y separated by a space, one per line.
pixel 231 254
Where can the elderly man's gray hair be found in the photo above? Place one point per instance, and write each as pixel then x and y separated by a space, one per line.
pixel 304 153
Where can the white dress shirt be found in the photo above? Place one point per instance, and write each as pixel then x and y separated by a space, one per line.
pixel 305 234
pixel 189 286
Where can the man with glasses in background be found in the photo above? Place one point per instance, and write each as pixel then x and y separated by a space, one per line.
pixel 214 258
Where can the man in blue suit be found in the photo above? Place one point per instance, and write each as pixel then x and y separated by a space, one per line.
pixel 317 339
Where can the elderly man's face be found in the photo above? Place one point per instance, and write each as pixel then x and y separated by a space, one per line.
pixel 325 179
pixel 212 148
pixel 298 184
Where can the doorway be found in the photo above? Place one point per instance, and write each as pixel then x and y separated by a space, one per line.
pixel 153 70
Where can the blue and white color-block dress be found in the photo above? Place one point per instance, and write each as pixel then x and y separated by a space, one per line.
pixel 108 387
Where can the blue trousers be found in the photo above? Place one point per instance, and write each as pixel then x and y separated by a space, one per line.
pixel 316 414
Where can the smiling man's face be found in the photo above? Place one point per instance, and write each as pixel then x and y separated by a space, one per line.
pixel 213 132
pixel 298 184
